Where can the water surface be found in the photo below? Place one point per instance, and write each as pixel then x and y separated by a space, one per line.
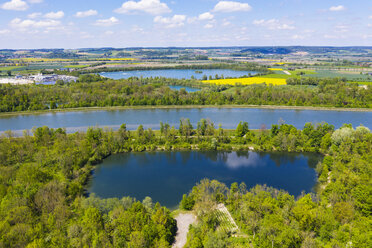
pixel 166 176
pixel 150 118
pixel 188 89
pixel 177 73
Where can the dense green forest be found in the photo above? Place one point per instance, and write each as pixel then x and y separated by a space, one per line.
pixel 94 91
pixel 43 202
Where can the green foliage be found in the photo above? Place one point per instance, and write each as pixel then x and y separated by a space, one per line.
pixel 94 91
pixel 187 202
pixel 333 217
pixel 42 180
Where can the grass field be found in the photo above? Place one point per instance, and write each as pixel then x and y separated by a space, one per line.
pixel 362 83
pixel 10 68
pixel 76 66
pixel 337 74
pixel 248 81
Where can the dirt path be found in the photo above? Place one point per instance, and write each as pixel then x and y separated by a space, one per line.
pixel 183 222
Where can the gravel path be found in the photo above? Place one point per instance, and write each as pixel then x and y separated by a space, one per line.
pixel 183 222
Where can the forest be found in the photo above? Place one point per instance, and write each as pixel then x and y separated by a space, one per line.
pixel 95 91
pixel 43 202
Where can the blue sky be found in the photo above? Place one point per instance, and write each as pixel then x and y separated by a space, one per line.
pixel 121 23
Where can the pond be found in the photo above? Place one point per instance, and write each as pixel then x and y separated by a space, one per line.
pixel 150 118
pixel 188 89
pixel 177 73
pixel 166 176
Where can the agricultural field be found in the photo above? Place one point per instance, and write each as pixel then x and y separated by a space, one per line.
pixel 362 83
pixel 227 223
pixel 248 81
pixel 334 74
pixel 76 66
pixel 36 60
pixel 10 68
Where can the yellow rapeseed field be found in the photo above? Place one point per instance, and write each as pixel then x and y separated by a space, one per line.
pixel 247 81
pixel 275 69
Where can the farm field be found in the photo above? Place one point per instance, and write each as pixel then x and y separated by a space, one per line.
pixel 10 68
pixel 227 223
pixel 334 74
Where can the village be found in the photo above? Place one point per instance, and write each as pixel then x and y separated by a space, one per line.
pixel 38 79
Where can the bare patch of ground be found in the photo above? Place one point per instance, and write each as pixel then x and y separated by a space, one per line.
pixel 184 220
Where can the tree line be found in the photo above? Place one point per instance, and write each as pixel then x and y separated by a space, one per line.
pixel 93 91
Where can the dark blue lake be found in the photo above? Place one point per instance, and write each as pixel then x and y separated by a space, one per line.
pixel 177 73
pixel 166 176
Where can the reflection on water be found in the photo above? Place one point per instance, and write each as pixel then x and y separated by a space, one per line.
pixel 165 176
pixel 235 160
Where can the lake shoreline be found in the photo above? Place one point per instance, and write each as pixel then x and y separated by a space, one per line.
pixel 274 107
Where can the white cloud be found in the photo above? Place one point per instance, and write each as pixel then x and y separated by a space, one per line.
pixel 171 22
pixel 34 15
pixel 35 1
pixel 327 36
pixel 231 6
pixel 85 35
pixel 55 15
pixel 370 17
pixel 107 22
pixel 205 16
pixel 273 24
pixel 226 23
pixel 208 25
pixel 17 5
pixel 109 32
pixel 154 7
pixel 337 8
pixel 137 29
pixel 22 24
pixel 87 13
pixel 341 28
pixel 298 37
pixel 4 31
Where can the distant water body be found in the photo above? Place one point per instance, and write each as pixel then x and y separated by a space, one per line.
pixel 177 73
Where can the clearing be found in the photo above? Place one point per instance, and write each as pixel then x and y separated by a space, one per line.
pixel 184 220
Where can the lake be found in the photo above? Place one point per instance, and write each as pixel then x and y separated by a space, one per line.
pixel 176 73
pixel 150 118
pixel 166 176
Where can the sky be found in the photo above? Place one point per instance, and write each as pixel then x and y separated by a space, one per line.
pixel 33 24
